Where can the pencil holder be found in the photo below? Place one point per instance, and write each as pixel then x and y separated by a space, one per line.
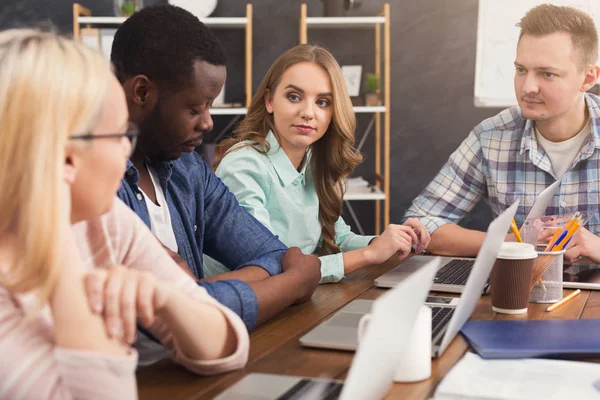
pixel 547 280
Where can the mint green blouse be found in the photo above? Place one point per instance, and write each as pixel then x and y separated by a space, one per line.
pixel 285 201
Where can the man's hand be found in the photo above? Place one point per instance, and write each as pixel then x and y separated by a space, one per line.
pixel 421 232
pixel 306 271
pixel 583 244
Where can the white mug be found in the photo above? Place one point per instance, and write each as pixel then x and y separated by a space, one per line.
pixel 415 361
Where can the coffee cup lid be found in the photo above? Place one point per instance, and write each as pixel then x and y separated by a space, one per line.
pixel 517 251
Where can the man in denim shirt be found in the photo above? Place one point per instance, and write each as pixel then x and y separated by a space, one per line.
pixel 172 67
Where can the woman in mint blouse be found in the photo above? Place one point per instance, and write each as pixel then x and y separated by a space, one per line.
pixel 288 160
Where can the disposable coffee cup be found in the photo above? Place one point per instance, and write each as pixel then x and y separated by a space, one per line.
pixel 511 278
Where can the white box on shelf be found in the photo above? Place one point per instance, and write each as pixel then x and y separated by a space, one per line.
pixel 352 75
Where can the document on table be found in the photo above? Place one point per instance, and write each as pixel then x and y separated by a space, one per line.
pixel 475 378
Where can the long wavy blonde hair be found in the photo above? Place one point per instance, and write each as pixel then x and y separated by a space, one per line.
pixel 50 88
pixel 333 156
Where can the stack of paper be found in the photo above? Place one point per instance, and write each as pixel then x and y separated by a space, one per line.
pixel 527 379
pixel 357 182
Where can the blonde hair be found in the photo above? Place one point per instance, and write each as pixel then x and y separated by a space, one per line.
pixel 333 156
pixel 546 19
pixel 50 88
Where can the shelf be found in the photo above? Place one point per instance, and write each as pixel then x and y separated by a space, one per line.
pixel 364 193
pixel 101 20
pixel 228 111
pixel 369 109
pixel 210 22
pixel 344 22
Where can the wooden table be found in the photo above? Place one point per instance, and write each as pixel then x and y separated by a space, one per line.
pixel 274 346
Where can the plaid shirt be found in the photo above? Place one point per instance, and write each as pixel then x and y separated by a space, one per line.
pixel 501 161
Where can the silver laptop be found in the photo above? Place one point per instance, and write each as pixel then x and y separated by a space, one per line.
pixel 339 332
pixel 382 345
pixel 453 274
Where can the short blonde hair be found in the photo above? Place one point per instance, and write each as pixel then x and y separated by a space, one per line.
pixel 50 88
pixel 546 19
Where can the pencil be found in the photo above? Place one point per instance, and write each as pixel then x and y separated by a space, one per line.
pixel 553 239
pixel 563 300
pixel 562 242
pixel 515 231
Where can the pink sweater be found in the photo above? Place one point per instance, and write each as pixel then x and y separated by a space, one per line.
pixel 33 367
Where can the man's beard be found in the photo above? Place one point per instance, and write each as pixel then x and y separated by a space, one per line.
pixel 150 136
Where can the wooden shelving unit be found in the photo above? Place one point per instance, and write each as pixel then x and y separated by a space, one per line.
pixel 381 25
pixel 83 16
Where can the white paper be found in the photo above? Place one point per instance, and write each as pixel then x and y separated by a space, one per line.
pixel 475 378
pixel 357 182
pixel 543 201
pixel 106 38
pixel 91 38
pixel 352 75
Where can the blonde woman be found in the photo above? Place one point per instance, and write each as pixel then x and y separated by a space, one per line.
pixel 70 295
pixel 288 160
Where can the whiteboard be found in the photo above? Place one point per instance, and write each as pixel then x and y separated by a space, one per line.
pixel 497 38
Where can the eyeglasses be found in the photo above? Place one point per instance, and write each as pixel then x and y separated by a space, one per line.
pixel 132 134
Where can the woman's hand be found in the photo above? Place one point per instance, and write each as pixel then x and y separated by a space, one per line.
pixel 124 295
pixel 396 241
pixel 421 232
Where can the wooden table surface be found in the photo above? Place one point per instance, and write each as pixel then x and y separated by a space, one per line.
pixel 274 346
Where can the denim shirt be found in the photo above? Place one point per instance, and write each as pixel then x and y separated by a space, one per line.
pixel 207 218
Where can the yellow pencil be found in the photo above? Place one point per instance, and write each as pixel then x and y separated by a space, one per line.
pixel 515 231
pixel 563 300
pixel 572 229
pixel 555 236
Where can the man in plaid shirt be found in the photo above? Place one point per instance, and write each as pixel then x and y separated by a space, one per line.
pixel 553 134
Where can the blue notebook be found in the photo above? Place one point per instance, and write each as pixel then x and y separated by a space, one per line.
pixel 578 338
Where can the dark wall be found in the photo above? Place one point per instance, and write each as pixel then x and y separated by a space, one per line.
pixel 433 63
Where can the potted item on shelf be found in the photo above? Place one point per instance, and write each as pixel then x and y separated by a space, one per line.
pixel 336 8
pixel 372 97
pixel 200 8
pixel 125 8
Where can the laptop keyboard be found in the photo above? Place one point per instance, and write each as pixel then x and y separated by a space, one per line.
pixel 440 316
pixel 455 272
pixel 327 390
pixel 330 390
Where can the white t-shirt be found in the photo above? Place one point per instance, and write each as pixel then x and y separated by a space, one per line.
pixel 160 218
pixel 562 154
pixel 160 224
